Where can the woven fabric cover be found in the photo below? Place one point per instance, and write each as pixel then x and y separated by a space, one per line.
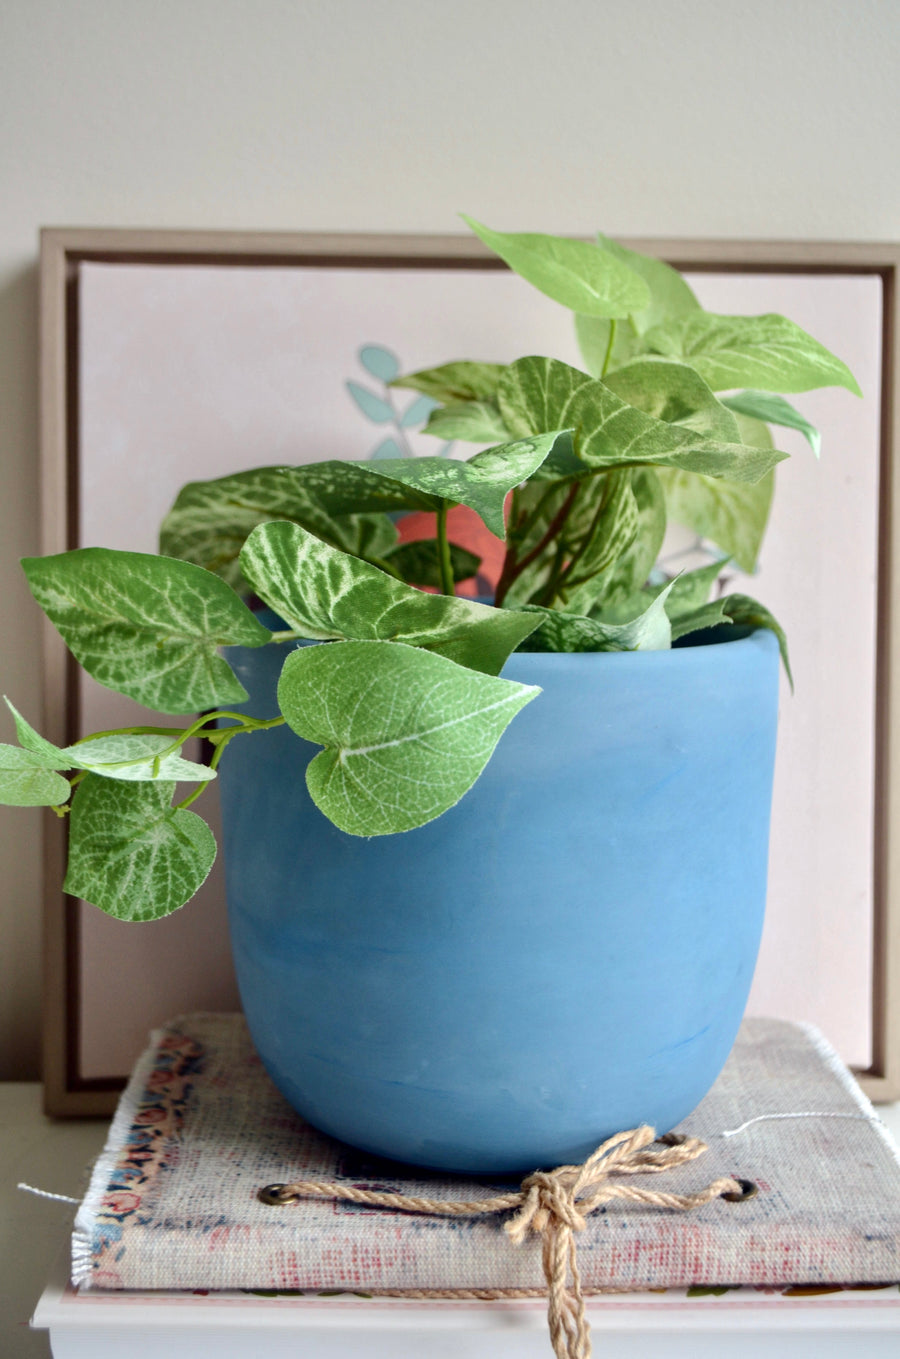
pixel 173 1203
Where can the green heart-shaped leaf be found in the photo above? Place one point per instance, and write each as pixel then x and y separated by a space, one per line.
pixel 774 410
pixel 649 631
pixel 535 392
pixel 751 351
pixel 454 382
pixel 49 755
pixel 673 392
pixel 740 609
pixel 612 529
pixel 406 733
pixel 576 273
pixel 670 297
pixel 731 514
pixel 25 780
pixel 339 501
pixel 133 758
pixel 743 609
pixel 325 594
pixel 670 293
pixel 119 756
pixel 146 626
pixel 690 590
pixel 482 483
pixel 131 853
pixel 704 616
pixel 475 422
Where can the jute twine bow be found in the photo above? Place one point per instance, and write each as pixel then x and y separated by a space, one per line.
pixel 554 1205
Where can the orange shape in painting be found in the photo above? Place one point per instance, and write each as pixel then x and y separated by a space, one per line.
pixel 468 530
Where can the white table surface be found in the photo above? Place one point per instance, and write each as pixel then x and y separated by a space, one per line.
pixel 55 1155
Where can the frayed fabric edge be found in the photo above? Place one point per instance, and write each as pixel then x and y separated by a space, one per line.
pixel 841 1071
pixel 85 1223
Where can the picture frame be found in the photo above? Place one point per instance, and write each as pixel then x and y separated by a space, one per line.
pixel 66 253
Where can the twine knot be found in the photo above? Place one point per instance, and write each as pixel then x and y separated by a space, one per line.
pixel 548 1197
pixel 554 1205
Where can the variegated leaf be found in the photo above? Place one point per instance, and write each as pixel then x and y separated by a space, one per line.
pixel 537 392
pixel 133 854
pixel 774 410
pixel 406 733
pixel 26 781
pixel 339 501
pixel 751 351
pixel 324 594
pixel 454 382
pixel 133 757
pixel 578 274
pixel 650 630
pixel 475 422
pixel 482 483
pixel 149 627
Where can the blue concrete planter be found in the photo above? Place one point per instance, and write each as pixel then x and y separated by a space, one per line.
pixel 565 954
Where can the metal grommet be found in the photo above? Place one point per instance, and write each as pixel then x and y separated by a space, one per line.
pixel 748 1189
pixel 276 1195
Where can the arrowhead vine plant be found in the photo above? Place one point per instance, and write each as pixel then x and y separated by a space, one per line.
pixel 669 419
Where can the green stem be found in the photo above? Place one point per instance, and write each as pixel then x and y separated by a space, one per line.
pixel 243 718
pixel 445 565
pixel 548 595
pixel 566 577
pixel 198 791
pixel 607 358
pixel 512 568
pixel 127 731
pixel 182 734
pixel 514 513
pixel 222 739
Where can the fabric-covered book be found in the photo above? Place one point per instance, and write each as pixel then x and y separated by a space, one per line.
pixel 173 1200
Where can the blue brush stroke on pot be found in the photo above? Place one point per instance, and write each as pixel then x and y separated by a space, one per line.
pixel 565 954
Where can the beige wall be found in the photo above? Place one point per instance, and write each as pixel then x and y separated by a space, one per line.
pixel 660 117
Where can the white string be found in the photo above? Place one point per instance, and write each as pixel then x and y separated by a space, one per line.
pixel 45 1194
pixel 765 1118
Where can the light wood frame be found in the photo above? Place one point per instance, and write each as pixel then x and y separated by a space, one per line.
pixel 64 249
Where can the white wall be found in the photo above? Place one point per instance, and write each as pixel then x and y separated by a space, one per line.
pixel 659 117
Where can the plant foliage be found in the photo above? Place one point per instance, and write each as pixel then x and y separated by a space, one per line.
pixel 668 420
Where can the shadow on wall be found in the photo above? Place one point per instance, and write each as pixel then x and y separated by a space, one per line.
pixel 20 828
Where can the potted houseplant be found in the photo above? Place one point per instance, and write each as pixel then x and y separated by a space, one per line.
pixel 489 979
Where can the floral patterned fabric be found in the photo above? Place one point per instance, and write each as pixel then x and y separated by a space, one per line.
pixel 200 1129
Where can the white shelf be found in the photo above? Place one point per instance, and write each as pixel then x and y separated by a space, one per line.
pixel 54 1155
pixel 625 1326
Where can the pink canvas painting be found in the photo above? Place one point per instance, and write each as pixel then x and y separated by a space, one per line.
pixel 190 372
